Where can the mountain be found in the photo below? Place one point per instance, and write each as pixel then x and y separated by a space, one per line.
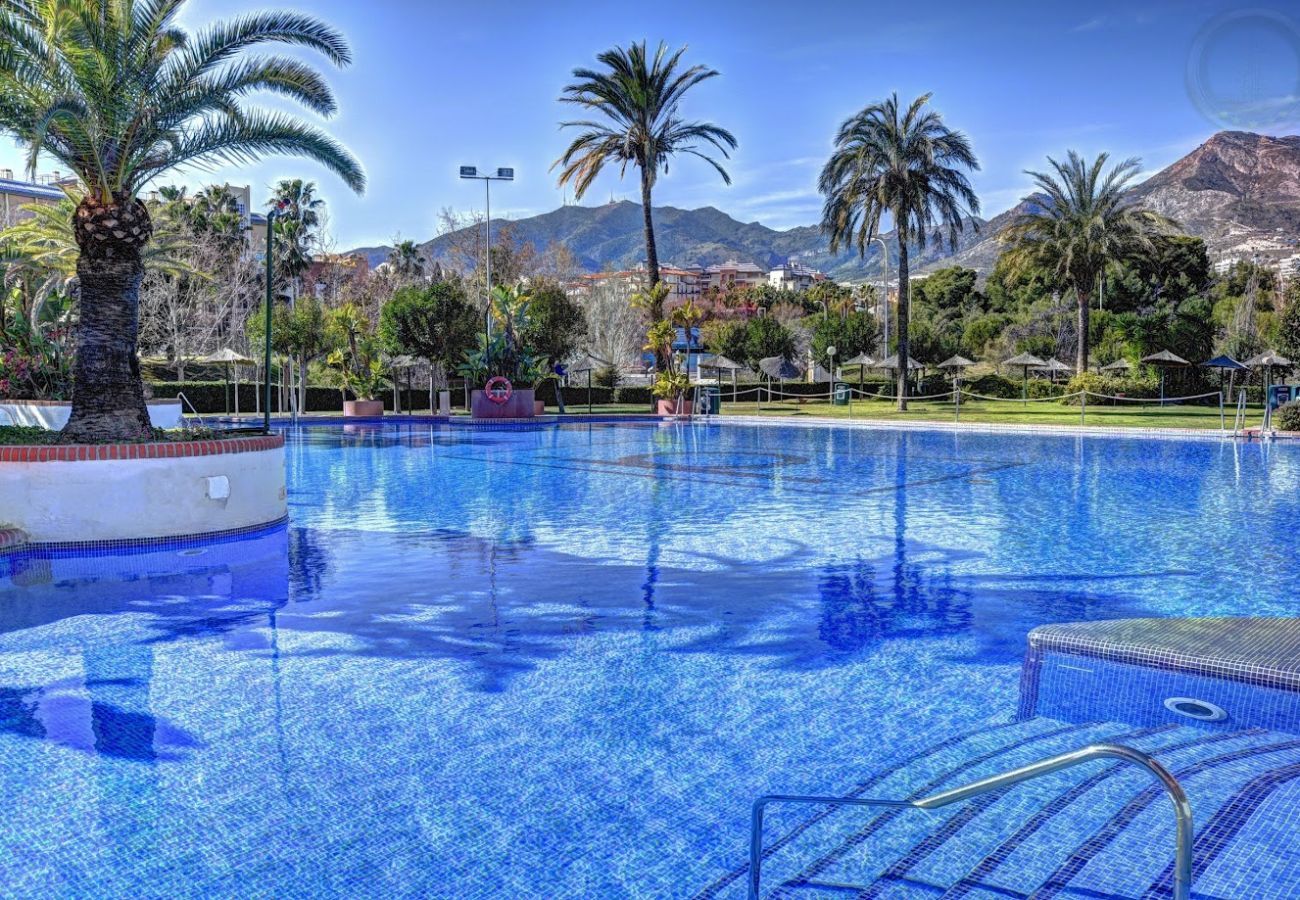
pixel 1238 191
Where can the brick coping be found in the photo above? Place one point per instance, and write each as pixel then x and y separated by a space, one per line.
pixel 28 453
pixel 157 401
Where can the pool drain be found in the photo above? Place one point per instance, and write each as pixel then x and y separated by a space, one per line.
pixel 1200 710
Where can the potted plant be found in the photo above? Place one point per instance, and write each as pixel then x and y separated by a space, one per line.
pixel 356 360
pixel 671 385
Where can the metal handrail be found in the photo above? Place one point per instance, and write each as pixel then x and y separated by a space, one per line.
pixel 180 395
pixel 1239 420
pixel 1182 806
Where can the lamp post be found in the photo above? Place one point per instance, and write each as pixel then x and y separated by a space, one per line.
pixel 502 174
pixel 270 296
pixel 830 381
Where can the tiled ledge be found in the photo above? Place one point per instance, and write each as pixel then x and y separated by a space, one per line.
pixel 157 450
pixel 1264 651
pixel 12 539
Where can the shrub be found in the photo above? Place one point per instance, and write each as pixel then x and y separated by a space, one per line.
pixel 634 394
pixel 1287 416
pixel 995 386
pixel 1040 389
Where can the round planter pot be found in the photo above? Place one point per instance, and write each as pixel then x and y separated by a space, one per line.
pixel 539 408
pixel 674 407
pixel 363 408
pixel 113 492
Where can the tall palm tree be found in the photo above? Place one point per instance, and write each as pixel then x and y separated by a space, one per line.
pixel 1076 222
pixel 638 98
pixel 120 93
pixel 406 260
pixel 908 163
pixel 296 227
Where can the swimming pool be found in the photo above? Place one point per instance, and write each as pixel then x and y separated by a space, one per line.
pixel 562 661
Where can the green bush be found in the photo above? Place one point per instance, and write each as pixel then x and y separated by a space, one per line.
pixel 995 386
pixel 1287 416
pixel 1041 389
pixel 1136 388
pixel 634 394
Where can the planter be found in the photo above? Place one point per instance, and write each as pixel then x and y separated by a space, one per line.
pixel 52 415
pixel 115 492
pixel 521 405
pixel 363 408
pixel 539 408
pixel 675 407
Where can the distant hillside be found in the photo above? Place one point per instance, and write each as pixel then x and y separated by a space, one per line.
pixel 1238 191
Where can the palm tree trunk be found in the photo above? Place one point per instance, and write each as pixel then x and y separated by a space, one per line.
pixel 651 251
pixel 904 310
pixel 1081 295
pixel 651 257
pixel 107 392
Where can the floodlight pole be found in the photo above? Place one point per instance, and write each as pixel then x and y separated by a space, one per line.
pixel 502 174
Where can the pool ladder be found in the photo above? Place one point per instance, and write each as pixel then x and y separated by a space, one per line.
pixel 1182 887
pixel 1239 417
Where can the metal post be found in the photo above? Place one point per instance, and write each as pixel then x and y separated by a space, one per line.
pixel 270 281
pixel 884 256
pixel 487 254
pixel 1083 408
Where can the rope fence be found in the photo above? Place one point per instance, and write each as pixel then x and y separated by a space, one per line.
pixel 960 396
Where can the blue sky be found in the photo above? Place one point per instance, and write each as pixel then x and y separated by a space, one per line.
pixel 436 85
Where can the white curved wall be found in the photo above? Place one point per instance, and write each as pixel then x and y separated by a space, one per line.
pixel 121 499
pixel 53 416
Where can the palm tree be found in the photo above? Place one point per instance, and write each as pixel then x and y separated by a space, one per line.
pixel 120 93
pixel 1076 222
pixel 909 164
pixel 406 260
pixel 295 227
pixel 638 99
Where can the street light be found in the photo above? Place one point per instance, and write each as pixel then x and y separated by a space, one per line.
pixel 270 283
pixel 502 174
pixel 830 354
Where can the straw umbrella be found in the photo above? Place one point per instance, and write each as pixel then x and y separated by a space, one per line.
pixel 890 364
pixel 1026 361
pixel 956 364
pixel 721 364
pixel 1119 365
pixel 862 361
pixel 227 357
pixel 1226 364
pixel 1055 366
pixel 780 368
pixel 1267 361
pixel 1163 360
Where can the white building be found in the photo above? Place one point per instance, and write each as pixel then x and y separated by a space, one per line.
pixel 792 276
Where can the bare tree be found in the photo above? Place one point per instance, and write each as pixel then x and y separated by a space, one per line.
pixel 615 328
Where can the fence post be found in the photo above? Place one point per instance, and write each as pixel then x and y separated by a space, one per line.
pixel 1083 408
pixel 1223 425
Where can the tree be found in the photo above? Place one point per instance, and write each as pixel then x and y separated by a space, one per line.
pixel 614 325
pixel 906 163
pixel 435 322
pixel 1076 223
pixel 639 98
pixel 119 94
pixel 556 325
pixel 407 260
pixel 767 338
pixel 850 334
pixel 296 229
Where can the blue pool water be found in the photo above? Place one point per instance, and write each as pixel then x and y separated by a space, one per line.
pixel 561 662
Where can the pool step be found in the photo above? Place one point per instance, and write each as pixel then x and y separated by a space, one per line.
pixel 1101 830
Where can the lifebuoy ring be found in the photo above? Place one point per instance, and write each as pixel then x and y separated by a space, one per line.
pixel 498 389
